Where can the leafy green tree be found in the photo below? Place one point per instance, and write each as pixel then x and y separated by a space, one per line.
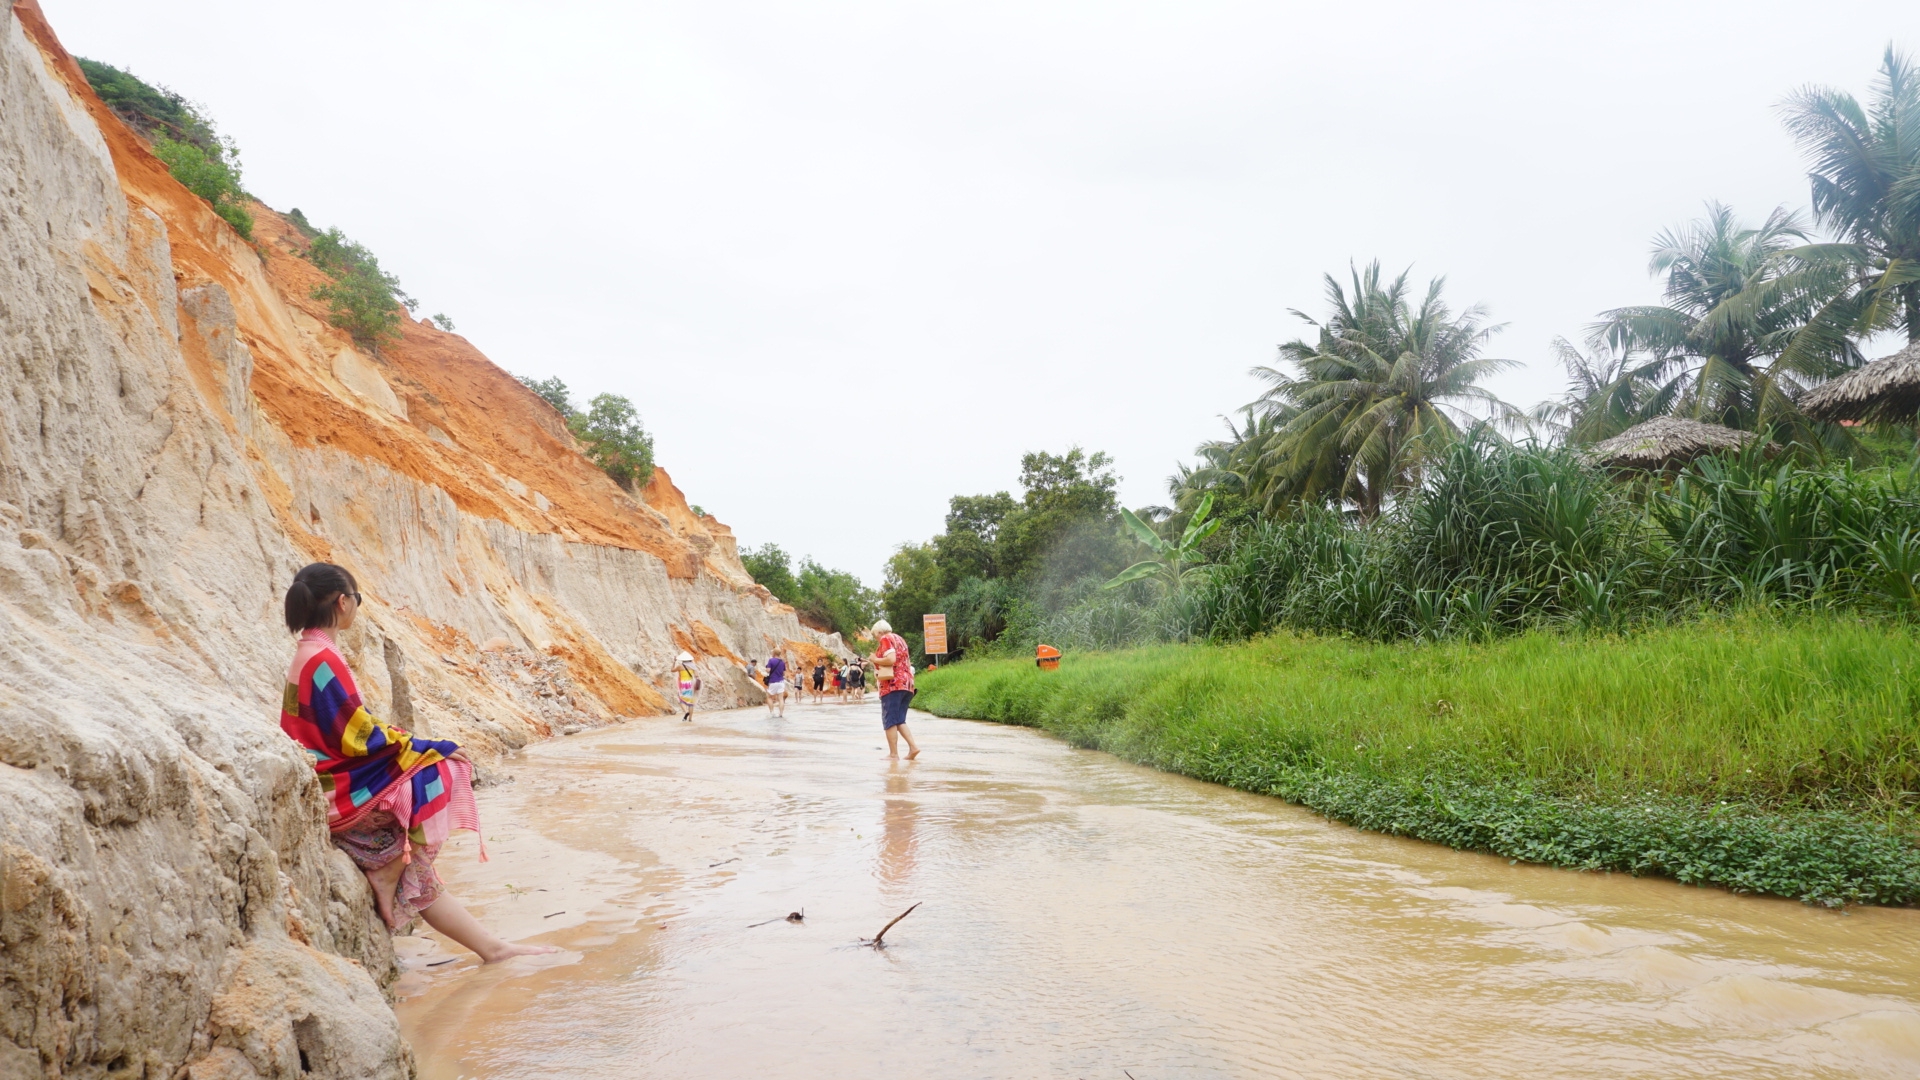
pixel 771 566
pixel 298 219
pixel 1065 516
pixel 1738 298
pixel 610 433
pixel 1385 387
pixel 362 299
pixel 833 599
pixel 836 598
pixel 615 440
pixel 443 323
pixel 1002 557
pixel 554 392
pixel 968 547
pixel 1866 188
pixel 912 587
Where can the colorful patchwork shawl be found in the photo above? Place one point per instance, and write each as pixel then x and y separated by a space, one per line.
pixel 363 763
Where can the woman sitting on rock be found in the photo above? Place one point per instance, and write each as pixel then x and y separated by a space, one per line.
pixel 391 798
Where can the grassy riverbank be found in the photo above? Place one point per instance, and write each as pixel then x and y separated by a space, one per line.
pixel 1760 755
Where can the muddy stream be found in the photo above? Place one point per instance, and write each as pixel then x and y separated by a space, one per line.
pixel 1086 918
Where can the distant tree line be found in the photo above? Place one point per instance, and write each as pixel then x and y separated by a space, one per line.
pixel 830 600
pixel 1378 488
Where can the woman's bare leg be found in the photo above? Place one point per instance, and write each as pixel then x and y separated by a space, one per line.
pixel 449 916
pixel 913 748
pixel 384 881
pixel 893 742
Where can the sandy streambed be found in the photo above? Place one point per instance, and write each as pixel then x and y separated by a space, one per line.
pixel 1083 917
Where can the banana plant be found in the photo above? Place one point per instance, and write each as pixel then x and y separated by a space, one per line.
pixel 1173 561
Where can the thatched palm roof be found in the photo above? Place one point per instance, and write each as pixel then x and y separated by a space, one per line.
pixel 1887 390
pixel 1666 441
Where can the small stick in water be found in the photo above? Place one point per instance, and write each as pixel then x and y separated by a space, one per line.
pixel 562 911
pixel 876 942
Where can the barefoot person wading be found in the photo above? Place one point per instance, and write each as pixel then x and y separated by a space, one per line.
pixel 392 798
pixel 777 686
pixel 891 661
pixel 687 683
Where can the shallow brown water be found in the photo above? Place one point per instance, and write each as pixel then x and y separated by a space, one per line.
pixel 1086 918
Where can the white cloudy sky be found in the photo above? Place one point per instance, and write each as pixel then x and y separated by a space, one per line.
pixel 822 242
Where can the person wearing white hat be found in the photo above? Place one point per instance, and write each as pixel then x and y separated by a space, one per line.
pixel 688 683
pixel 895 667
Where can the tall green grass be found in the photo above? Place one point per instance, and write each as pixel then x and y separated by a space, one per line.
pixel 1501 539
pixel 1759 754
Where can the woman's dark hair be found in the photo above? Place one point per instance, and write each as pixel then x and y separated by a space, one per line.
pixel 311 597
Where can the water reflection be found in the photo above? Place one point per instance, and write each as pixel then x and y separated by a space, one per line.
pixel 898 840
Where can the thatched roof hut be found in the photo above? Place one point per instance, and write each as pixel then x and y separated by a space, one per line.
pixel 1885 391
pixel 1666 442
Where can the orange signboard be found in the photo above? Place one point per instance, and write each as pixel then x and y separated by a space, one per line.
pixel 934 628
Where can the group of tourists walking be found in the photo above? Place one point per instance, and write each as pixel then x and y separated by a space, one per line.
pixel 889 669
pixel 394 797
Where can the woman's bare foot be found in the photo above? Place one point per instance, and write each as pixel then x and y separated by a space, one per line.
pixel 507 950
pixel 383 882
pixel 449 916
pixel 913 753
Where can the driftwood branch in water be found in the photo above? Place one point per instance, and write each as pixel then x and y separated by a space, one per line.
pixel 876 942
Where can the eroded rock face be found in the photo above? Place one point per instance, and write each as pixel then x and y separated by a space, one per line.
pixel 176 439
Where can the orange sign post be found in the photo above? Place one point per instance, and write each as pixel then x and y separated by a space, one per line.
pixel 933 629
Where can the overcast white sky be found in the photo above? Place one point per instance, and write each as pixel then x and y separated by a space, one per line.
pixel 812 240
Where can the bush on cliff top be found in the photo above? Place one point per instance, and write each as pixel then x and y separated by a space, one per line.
pixel 1755 754
pixel 610 431
pixel 197 155
pixel 362 299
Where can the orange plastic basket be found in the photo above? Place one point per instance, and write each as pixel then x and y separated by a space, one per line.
pixel 1046 658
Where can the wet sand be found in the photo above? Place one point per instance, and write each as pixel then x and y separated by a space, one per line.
pixel 1084 917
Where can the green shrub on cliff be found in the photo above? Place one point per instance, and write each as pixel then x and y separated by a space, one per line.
pixel 198 156
pixel 609 431
pixel 615 441
pixel 554 392
pixel 214 175
pixel 362 299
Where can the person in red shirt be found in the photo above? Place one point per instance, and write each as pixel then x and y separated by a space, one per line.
pixel 891 659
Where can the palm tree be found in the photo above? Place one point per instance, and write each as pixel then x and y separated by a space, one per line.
pixel 1608 391
pixel 1386 384
pixel 1866 188
pixel 1229 466
pixel 1752 316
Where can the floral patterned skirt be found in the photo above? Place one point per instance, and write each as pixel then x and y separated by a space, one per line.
pixel 376 840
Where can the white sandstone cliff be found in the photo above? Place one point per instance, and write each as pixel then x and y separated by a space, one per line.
pixel 179 432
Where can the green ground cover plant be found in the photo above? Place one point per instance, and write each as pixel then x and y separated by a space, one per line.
pixel 1761 754
pixel 204 161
